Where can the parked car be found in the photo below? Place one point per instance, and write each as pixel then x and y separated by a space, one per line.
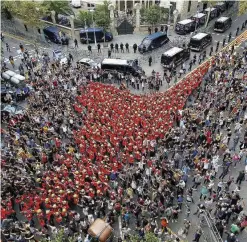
pixel 89 63
pixel 57 55
pixel 87 35
pixel 153 41
pixel 55 35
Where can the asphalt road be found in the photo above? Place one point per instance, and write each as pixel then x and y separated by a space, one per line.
pixel 131 39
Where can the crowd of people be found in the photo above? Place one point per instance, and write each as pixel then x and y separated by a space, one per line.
pixel 85 149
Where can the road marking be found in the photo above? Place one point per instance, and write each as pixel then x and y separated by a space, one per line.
pixel 13 47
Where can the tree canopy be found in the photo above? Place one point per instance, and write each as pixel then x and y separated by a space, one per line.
pixel 242 7
pixel 153 15
pixel 102 15
pixel 85 16
pixel 60 7
pixel 28 11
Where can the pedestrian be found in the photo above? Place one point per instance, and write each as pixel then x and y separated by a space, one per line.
pixel 25 27
pixel 89 49
pixel 232 49
pixel 166 28
pixel 149 30
pixel 224 41
pixel 190 65
pixel 7 47
pixel 135 47
pixel 70 57
pixel 109 53
pixel 76 43
pixel 204 54
pixel 194 59
pixel 112 47
pixel 229 37
pixel 150 60
pixel 237 31
pixel 122 47
pixel 116 48
pixel 12 62
pixel 21 47
pixel 243 26
pixel 2 36
pixel 197 235
pixel 211 51
pixel 217 46
pixel 155 29
pixel 99 47
pixel 240 177
pixel 127 47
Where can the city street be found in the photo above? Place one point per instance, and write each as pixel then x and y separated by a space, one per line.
pixel 82 52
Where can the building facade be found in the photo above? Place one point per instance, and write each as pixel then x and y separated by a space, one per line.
pixel 185 8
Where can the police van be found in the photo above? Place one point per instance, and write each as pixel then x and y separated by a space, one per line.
pixel 174 57
pixel 153 41
pixel 200 19
pixel 222 24
pixel 125 66
pixel 185 26
pixel 213 13
pixel 199 41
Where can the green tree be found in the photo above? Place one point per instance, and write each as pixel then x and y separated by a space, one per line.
pixel 60 7
pixel 102 15
pixel 29 12
pixel 242 8
pixel 85 16
pixel 60 237
pixel 153 15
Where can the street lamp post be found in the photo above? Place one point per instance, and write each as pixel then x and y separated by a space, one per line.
pixel 169 19
pixel 85 27
pixel 95 41
pixel 208 17
pixel 197 19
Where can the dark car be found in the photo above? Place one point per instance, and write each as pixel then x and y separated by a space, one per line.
pixel 153 41
pixel 87 35
pixel 55 35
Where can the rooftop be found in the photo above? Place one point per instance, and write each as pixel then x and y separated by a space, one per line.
pixel 186 21
pixel 199 15
pixel 115 62
pixel 173 51
pixel 222 19
pixel 199 36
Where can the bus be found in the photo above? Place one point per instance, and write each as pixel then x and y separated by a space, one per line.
pixel 185 26
pixel 125 66
pixel 174 56
pixel 87 35
pixel 221 6
pixel 199 41
pixel 222 24
pixel 213 13
pixel 153 41
pixel 200 19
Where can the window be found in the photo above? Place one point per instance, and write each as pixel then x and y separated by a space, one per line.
pixel 189 6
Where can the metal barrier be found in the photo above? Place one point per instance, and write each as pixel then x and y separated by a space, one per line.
pixel 214 235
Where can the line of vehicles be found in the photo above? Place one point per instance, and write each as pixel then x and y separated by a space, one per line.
pixel 187 26
pixel 55 35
